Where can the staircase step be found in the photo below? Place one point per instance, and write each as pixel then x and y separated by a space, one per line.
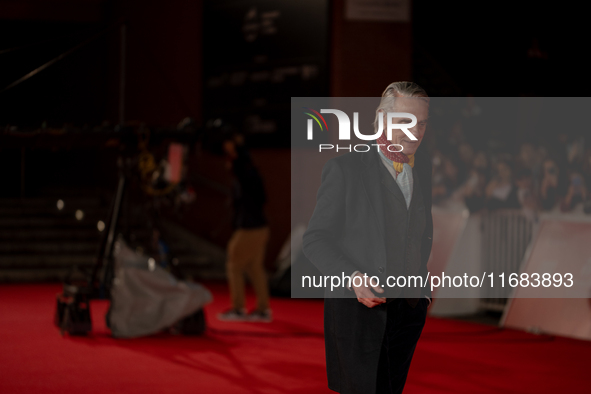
pixel 75 233
pixel 47 247
pixel 38 221
pixel 46 260
pixel 45 212
pixel 36 275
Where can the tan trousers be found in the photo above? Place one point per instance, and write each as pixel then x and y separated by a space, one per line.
pixel 246 254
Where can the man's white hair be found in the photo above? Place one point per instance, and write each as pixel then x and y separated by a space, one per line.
pixel 398 89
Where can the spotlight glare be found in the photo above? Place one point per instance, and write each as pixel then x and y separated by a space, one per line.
pixel 60 205
pixel 79 214
pixel 100 225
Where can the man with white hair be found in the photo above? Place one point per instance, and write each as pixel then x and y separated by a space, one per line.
pixel 373 217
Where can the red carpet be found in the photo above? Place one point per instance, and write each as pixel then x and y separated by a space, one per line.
pixel 286 356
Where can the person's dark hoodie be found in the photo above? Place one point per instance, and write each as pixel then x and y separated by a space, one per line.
pixel 248 193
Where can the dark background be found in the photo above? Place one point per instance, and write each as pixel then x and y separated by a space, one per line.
pixel 451 49
pixel 174 48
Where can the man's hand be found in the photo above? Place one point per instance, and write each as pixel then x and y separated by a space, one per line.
pixel 364 293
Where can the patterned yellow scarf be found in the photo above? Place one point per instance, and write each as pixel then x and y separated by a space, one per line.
pixel 399 166
pixel 398 158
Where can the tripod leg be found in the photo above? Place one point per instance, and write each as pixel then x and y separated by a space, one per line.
pixel 103 266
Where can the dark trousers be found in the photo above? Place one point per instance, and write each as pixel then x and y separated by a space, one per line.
pixel 403 329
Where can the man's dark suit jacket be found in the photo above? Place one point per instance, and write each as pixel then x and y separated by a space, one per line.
pixel 361 223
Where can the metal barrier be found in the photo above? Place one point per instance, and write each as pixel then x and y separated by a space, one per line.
pixel 506 235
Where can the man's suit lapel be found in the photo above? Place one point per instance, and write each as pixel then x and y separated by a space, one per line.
pixel 374 175
pixel 416 189
pixel 371 179
pixel 392 185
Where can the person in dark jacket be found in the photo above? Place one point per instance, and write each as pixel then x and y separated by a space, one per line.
pixel 373 217
pixel 246 248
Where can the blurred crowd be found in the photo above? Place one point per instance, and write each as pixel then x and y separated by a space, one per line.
pixel 534 175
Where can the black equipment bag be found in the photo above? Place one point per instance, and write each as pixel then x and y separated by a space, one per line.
pixel 72 312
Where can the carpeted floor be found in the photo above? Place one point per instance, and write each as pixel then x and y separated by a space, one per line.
pixel 286 356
